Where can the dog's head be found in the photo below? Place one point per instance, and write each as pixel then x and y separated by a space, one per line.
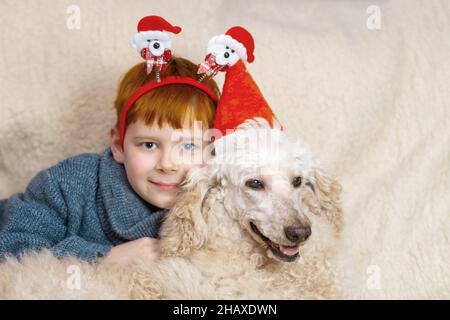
pixel 271 188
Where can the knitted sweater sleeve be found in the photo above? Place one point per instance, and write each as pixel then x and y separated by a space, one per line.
pixel 37 219
pixel 80 248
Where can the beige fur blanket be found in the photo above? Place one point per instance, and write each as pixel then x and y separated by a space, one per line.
pixel 366 87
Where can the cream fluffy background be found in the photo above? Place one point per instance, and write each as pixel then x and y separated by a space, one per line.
pixel 372 104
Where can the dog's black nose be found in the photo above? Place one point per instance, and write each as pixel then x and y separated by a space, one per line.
pixel 297 234
pixel 226 55
pixel 156 45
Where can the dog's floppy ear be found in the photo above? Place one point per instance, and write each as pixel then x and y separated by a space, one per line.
pixel 326 199
pixel 184 226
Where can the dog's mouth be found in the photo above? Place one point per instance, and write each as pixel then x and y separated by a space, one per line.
pixel 284 253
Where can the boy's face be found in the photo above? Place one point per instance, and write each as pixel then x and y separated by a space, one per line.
pixel 157 160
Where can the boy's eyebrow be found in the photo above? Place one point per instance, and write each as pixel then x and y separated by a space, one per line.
pixel 180 138
pixel 145 138
pixel 189 138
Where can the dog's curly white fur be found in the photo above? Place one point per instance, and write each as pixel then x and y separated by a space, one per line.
pixel 226 237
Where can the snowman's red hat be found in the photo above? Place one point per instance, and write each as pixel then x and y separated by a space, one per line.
pixel 156 23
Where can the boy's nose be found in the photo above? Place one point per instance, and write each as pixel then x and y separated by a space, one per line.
pixel 166 163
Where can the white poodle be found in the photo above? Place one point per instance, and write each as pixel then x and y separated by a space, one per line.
pixel 259 222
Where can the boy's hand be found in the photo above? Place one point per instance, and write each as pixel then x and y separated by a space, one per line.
pixel 144 249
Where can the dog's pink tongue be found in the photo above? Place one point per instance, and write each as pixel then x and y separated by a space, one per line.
pixel 290 251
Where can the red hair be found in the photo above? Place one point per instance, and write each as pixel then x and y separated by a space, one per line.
pixel 170 105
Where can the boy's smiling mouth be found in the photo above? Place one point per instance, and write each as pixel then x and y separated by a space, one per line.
pixel 165 186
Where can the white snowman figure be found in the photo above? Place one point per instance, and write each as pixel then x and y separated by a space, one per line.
pixel 225 50
pixel 153 42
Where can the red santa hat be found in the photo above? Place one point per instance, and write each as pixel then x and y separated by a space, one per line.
pixel 241 99
pixel 156 23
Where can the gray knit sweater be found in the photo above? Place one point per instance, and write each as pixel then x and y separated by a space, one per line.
pixel 81 207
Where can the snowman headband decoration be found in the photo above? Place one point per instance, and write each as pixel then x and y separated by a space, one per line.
pixel 224 53
pixel 153 43
pixel 225 50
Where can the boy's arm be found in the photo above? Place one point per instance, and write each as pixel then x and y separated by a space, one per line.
pixel 38 218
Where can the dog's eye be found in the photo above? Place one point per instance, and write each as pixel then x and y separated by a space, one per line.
pixel 149 40
pixel 297 182
pixel 232 51
pixel 227 47
pixel 255 184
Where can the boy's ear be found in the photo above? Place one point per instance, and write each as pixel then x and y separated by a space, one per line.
pixel 116 147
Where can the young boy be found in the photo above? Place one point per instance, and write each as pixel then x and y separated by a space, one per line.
pixel 110 205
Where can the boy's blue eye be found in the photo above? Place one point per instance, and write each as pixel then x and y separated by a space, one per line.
pixel 189 146
pixel 149 145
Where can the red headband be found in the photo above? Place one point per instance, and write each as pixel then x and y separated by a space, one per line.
pixel 152 85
